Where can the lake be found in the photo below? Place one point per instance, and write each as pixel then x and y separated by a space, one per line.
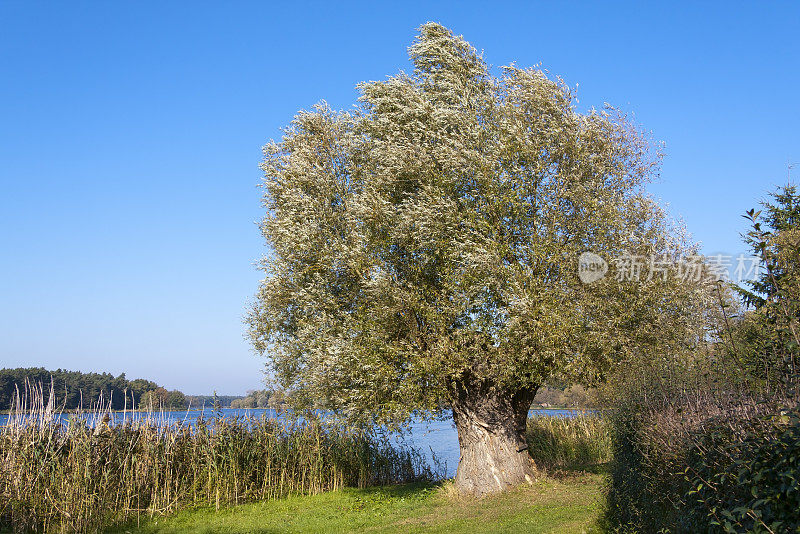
pixel 431 438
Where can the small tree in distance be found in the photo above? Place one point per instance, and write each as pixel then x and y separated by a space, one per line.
pixel 424 252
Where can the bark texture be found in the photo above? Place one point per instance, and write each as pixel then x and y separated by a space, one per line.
pixel 491 435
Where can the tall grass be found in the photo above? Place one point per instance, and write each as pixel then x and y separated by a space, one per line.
pixel 578 442
pixel 75 476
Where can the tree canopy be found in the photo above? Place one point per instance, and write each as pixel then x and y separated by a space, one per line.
pixel 424 246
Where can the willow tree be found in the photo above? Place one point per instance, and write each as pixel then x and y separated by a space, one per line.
pixel 424 250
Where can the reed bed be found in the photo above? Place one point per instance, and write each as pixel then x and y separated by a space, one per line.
pixel 579 442
pixel 84 473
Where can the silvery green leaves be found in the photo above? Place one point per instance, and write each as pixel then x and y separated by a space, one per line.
pixel 432 233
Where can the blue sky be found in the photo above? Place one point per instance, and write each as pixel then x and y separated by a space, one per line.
pixel 130 136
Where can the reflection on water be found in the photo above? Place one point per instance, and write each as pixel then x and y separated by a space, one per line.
pixel 434 439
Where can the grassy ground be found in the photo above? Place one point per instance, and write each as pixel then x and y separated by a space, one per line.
pixel 566 504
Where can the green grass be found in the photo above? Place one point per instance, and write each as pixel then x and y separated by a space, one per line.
pixel 567 504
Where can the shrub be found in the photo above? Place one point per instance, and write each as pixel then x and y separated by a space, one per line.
pixel 708 438
pixel 706 465
pixel 747 482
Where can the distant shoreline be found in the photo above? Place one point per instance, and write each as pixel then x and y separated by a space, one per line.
pixel 89 411
pixel 211 410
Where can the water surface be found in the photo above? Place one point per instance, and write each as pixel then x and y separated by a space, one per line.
pixel 436 440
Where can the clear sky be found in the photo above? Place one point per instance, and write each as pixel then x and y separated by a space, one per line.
pixel 130 135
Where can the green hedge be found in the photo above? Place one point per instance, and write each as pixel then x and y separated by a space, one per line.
pixel 750 482
pixel 725 475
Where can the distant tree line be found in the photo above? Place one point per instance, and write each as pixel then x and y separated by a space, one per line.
pixel 161 398
pixel 562 396
pixel 73 389
pixel 261 399
pixel 207 401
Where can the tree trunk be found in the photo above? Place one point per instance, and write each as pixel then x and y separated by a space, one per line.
pixel 491 434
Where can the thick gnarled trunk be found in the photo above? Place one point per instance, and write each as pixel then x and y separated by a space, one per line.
pixel 491 434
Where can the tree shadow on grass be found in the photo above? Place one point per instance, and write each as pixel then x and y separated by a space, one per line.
pixel 574 471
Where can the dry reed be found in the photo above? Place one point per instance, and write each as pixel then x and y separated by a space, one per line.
pixel 82 472
pixel 577 442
